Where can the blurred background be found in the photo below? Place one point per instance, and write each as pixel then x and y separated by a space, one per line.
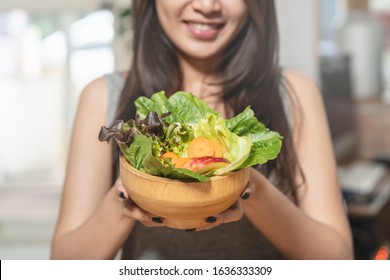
pixel 49 50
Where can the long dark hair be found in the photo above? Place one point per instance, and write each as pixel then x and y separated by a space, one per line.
pixel 249 68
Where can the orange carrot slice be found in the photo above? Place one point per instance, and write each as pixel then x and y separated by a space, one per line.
pixel 170 155
pixel 180 162
pixel 200 147
pixel 218 151
pixel 176 160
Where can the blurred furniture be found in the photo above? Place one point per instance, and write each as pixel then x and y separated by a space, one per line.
pixel 360 131
pixel 371 221
pixel 361 37
pixel 373 128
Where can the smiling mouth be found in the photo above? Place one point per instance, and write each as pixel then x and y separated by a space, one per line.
pixel 204 26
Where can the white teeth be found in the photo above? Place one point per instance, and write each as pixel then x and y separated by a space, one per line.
pixel 202 26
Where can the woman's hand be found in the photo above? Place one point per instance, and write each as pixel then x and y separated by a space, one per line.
pixel 232 214
pixel 131 210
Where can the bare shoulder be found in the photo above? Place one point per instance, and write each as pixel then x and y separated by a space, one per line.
pixel 90 117
pixel 94 96
pixel 305 95
pixel 303 86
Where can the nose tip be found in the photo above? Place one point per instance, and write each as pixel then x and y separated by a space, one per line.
pixel 206 6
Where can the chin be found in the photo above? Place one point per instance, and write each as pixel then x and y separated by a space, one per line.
pixel 201 54
pixel 201 50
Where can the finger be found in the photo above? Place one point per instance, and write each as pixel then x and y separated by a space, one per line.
pixel 249 188
pixel 152 221
pixel 212 221
pixel 207 227
pixel 144 217
pixel 232 214
pixel 120 189
pixel 132 210
pixel 123 196
pixel 125 199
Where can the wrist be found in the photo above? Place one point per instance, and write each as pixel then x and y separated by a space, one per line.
pixel 257 183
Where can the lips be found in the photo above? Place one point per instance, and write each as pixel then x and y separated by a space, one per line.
pixel 203 30
pixel 203 26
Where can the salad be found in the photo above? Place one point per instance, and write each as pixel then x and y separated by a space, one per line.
pixel 182 138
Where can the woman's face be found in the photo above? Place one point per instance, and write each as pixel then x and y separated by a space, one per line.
pixel 201 29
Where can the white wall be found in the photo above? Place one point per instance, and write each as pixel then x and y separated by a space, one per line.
pixel 299 31
pixel 50 5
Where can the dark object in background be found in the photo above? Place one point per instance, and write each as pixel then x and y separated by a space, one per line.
pixel 371 233
pixel 337 90
pixel 385 160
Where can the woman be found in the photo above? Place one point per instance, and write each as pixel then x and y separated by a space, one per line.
pixel 226 52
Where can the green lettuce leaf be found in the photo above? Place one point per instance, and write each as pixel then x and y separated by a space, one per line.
pixel 183 106
pixel 157 103
pixel 187 108
pixel 266 143
pixel 138 150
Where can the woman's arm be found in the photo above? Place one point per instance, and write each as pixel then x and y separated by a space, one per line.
pixel 91 223
pixel 318 228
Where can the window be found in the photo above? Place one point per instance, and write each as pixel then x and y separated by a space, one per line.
pixel 46 59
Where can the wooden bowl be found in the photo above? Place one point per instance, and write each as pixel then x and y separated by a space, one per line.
pixel 182 204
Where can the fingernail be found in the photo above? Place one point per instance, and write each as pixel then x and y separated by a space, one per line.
pixel 157 220
pixel 122 195
pixel 190 229
pixel 245 195
pixel 211 219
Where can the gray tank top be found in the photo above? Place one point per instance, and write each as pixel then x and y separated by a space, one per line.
pixel 237 240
